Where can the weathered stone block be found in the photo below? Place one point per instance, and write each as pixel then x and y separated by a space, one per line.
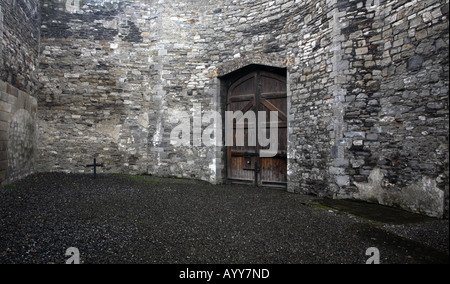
pixel 415 63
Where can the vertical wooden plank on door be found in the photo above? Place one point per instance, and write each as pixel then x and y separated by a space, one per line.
pixel 273 97
pixel 241 97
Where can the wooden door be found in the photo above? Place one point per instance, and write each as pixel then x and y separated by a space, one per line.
pixel 255 92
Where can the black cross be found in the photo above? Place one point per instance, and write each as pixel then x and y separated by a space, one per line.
pixel 95 165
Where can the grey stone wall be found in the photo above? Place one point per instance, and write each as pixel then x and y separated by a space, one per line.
pixel 370 112
pixel 114 74
pixel 395 114
pixel 19 46
pixel 367 81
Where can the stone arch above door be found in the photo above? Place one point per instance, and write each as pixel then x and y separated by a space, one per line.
pixel 268 60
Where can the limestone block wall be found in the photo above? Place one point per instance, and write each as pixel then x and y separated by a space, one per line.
pixel 370 110
pixel 117 74
pixel 114 75
pixel 19 45
pixel 97 94
pixel 393 136
pixel 367 87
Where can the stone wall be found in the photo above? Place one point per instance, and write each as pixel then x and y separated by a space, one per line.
pixel 367 88
pixel 115 75
pixel 370 110
pixel 19 45
pixel 395 114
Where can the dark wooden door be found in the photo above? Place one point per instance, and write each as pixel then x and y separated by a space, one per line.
pixel 255 92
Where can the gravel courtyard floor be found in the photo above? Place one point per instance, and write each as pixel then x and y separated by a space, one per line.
pixel 143 219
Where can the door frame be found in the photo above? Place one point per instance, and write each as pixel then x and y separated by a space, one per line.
pixel 228 80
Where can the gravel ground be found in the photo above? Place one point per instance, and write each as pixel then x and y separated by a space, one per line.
pixel 133 219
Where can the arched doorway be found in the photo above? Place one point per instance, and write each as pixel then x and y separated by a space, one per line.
pixel 256 91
